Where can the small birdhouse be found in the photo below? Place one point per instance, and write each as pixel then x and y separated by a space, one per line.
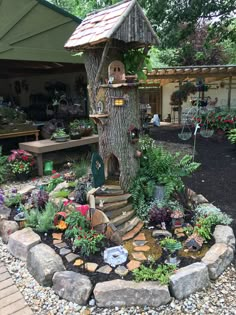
pixel 194 242
pixel 177 219
pixel 116 70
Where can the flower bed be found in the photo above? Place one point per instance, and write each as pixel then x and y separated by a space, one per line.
pixel 210 266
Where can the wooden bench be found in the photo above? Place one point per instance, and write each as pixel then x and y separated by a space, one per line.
pixel 43 146
pixel 15 134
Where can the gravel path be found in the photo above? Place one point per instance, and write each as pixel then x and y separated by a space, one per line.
pixel 219 298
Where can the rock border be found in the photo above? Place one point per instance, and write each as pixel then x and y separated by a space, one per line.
pixel 117 293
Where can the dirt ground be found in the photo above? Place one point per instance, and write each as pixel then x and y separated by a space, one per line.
pixel 216 178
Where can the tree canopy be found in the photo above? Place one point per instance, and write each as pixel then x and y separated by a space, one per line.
pixel 192 32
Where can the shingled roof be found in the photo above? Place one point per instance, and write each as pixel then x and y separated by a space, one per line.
pixel 124 21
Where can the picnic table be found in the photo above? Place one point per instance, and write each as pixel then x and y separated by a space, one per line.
pixel 38 148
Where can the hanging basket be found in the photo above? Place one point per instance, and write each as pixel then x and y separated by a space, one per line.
pixel 185 135
pixel 206 133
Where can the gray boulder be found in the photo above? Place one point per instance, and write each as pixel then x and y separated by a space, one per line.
pixel 4 212
pixel 43 262
pixel 72 286
pixel 224 234
pixel 128 293
pixel 188 280
pixel 217 259
pixel 158 233
pixel 21 241
pixel 7 228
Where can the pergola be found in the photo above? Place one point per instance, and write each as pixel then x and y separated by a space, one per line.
pixel 163 76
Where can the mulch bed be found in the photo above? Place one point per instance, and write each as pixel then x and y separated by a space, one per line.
pixel 216 178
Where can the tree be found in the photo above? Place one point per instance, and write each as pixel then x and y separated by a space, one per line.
pixel 82 7
pixel 175 20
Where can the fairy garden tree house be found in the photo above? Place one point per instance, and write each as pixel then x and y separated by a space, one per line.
pixel 104 37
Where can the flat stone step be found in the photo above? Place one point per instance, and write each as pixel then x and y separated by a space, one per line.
pixel 113 206
pixel 115 213
pixel 129 225
pixel 109 192
pixel 123 218
pixel 110 199
pixel 112 186
pixel 133 232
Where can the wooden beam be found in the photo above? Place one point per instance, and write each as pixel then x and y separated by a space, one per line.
pixel 104 54
pixel 229 92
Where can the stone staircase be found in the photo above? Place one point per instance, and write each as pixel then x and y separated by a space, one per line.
pixel 118 208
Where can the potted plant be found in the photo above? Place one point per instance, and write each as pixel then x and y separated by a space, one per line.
pixel 88 127
pixel 60 135
pixel 75 130
pixel 21 163
pixel 172 246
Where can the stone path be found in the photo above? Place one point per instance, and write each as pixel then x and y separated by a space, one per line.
pixel 11 300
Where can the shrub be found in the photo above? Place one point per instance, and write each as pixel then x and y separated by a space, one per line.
pixel 80 169
pixel 158 167
pixel 3 168
pixel 162 273
pixel 208 210
pixel 232 136
pixel 41 221
pixel 89 242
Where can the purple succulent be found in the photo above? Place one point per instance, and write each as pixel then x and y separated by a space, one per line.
pixel 14 190
pixel 159 214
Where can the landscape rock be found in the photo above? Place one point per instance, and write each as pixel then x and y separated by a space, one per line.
pixel 113 234
pixel 59 187
pixel 199 199
pixel 64 251
pixel 224 234
pixel 7 228
pixel 4 212
pixel 98 218
pixel 188 280
pixel 217 259
pixel 117 293
pixel 158 233
pixel 91 267
pixel 139 256
pixel 26 189
pixel 78 262
pixel 43 262
pixel 132 232
pixel 133 264
pixel 121 271
pixel 20 242
pixel 72 286
pixel 140 237
pixel 105 269
pixel 71 257
pixel 144 248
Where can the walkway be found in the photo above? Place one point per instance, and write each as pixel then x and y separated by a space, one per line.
pixel 11 300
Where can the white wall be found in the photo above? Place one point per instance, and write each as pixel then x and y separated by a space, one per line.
pixel 215 90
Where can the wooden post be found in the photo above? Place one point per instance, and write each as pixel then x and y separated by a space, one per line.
pixel 180 107
pixel 229 92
